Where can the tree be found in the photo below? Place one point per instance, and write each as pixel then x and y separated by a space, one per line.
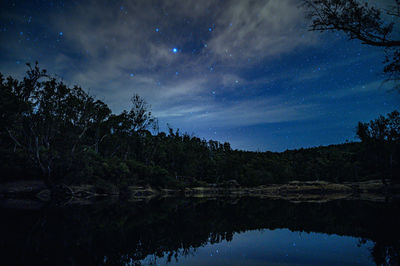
pixel 382 139
pixel 128 129
pixel 140 114
pixel 100 128
pixel 361 21
pixel 46 119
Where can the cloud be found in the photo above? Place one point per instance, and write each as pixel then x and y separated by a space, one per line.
pixel 260 29
pixel 358 90
pixel 258 111
pixel 113 49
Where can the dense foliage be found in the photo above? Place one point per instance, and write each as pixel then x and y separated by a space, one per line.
pixel 64 135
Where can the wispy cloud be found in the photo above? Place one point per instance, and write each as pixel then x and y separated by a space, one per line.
pixel 238 63
pixel 249 29
pixel 234 114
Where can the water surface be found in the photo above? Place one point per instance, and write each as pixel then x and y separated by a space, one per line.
pixel 275 247
pixel 245 231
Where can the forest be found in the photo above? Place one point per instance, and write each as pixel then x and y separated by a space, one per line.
pixel 63 135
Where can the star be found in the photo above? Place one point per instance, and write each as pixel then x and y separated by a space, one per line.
pixel 253 71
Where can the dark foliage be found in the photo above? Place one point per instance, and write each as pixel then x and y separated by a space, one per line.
pixel 382 145
pixel 64 135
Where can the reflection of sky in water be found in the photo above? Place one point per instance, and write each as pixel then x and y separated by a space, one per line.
pixel 278 247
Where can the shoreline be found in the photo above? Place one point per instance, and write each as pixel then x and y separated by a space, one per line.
pixel 295 191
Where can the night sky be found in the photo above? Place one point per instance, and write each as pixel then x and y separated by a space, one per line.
pixel 246 72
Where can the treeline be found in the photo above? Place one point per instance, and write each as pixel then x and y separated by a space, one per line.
pixel 64 135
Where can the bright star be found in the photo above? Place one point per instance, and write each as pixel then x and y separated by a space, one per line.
pixel 61 33
pixel 174 50
pixel 157 29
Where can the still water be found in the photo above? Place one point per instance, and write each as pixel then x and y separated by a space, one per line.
pixel 244 231
pixel 276 247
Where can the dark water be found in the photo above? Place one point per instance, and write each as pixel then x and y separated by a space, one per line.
pixel 203 232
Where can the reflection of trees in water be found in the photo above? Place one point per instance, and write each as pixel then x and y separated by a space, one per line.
pixel 386 253
pixel 127 233
pixel 171 256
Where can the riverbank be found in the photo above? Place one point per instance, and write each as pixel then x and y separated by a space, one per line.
pixel 295 191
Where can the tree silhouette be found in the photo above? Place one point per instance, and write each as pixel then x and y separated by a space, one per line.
pixel 48 120
pixel 140 114
pixel 66 136
pixel 372 26
pixel 382 140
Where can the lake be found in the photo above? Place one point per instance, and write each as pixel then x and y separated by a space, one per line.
pixel 190 231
